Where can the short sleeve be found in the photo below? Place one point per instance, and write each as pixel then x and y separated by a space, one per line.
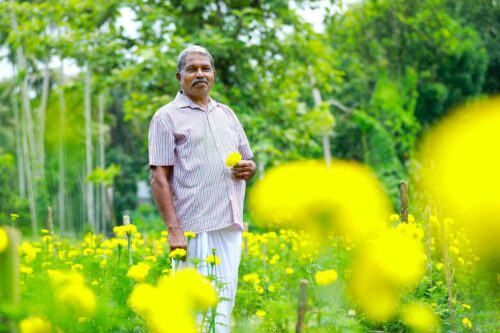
pixel 161 143
pixel 243 144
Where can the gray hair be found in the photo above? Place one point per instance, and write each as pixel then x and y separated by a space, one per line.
pixel 181 59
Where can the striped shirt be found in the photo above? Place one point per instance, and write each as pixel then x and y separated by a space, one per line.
pixel 196 142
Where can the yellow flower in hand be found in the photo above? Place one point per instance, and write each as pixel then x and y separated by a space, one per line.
pixel 233 159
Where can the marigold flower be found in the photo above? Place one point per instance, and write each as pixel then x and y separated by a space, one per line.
pixel 327 277
pixel 138 272
pixel 382 269
pixel 345 199
pixel 467 323
pixel 4 239
pixel 14 217
pixel 177 254
pixel 212 260
pixel 464 171
pixel 394 218
pixel 189 235
pixel 35 325
pixel 26 270
pixel 289 270
pixel 233 159
pixel 260 313
pixel 420 317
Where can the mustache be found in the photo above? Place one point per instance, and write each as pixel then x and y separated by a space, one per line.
pixel 196 81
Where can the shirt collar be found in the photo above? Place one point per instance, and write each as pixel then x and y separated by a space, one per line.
pixel 182 101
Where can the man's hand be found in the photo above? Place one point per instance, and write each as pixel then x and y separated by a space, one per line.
pixel 245 169
pixel 176 239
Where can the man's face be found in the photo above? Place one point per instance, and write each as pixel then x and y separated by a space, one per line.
pixel 197 76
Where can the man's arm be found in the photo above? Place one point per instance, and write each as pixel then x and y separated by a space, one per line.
pixel 162 195
pixel 245 169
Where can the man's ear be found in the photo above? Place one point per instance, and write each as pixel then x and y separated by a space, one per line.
pixel 178 76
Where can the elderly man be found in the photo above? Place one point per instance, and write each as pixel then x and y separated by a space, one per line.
pixel 189 141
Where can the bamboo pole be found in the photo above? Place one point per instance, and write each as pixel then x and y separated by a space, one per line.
pixel 403 189
pixel 302 304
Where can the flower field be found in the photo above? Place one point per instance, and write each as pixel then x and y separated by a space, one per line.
pixel 325 254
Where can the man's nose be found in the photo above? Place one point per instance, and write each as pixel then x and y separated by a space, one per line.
pixel 199 72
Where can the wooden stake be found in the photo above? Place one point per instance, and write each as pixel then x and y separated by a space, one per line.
pixel 302 305
pixel 403 188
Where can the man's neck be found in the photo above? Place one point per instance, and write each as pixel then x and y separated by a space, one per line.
pixel 200 100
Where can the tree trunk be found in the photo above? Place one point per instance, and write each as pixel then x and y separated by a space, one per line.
pixel 327 153
pixel 41 120
pixel 88 149
pixel 60 154
pixel 102 199
pixel 29 151
pixel 19 145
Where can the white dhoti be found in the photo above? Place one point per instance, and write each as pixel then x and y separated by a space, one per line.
pixel 227 244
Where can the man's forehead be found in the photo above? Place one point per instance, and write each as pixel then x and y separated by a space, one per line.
pixel 197 58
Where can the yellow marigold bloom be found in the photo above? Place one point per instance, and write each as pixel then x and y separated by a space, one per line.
pixel 420 317
pixel 251 277
pixel 14 217
pixel 213 260
pixel 346 199
pixel 103 263
pixel 260 313
pixel 289 270
pixel 164 233
pixel 189 235
pixel 88 251
pixel 72 295
pixel 233 159
pixel 77 267
pixel 327 277
pixel 170 306
pixel 271 289
pixel 177 254
pixel 138 272
pixel 26 270
pixel 28 251
pixel 125 230
pixel 383 267
pixel 45 231
pixel 439 266
pixel 151 258
pixel 464 173
pixel 466 306
pixel 35 325
pixel 78 299
pixel 467 323
pixel 4 239
pixel 394 218
pixel 411 218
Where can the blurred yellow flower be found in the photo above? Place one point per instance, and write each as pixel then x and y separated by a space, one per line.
pixel 467 323
pixel 45 231
pixel 233 159
pixel 169 306
pixel 28 251
pixel 420 317
pixel 346 199
pixel 125 230
pixel 177 254
pixel 4 239
pixel 466 306
pixel 461 167
pixel 189 235
pixel 394 218
pixel 72 294
pixel 138 272
pixel 289 270
pixel 14 217
pixel 213 260
pixel 383 268
pixel 260 313
pixel 26 270
pixel 35 325
pixel 327 277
